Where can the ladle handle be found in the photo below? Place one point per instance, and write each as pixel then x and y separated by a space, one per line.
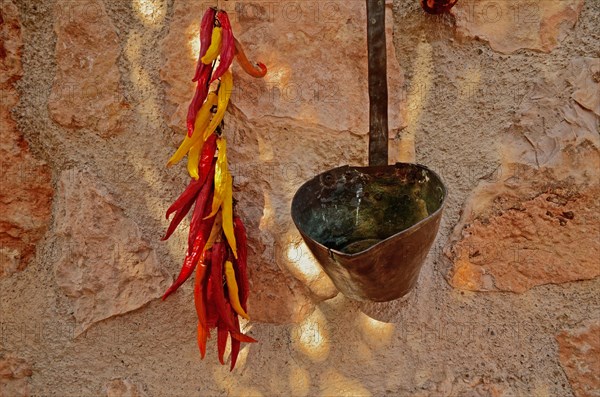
pixel 378 92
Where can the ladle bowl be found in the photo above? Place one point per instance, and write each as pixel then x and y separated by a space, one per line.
pixel 371 228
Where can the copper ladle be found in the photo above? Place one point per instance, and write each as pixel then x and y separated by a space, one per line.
pixel 370 228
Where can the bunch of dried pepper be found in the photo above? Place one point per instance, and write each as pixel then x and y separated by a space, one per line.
pixel 217 237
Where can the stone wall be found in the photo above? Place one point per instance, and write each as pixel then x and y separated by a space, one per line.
pixel 501 98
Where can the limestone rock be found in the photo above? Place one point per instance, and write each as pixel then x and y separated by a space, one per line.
pixel 587 81
pixel 317 59
pixel 124 388
pixel 105 267
pixel 26 193
pixel 531 244
pixel 86 92
pixel 11 46
pixel 519 231
pixel 512 25
pixel 579 352
pixel 14 374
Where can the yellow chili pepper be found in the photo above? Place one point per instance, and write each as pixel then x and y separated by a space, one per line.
pixel 214 232
pixel 202 121
pixel 227 209
pixel 232 287
pixel 225 89
pixel 215 47
pixel 221 173
pixel 194 159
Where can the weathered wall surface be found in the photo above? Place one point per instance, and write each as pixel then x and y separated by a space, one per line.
pixel 501 98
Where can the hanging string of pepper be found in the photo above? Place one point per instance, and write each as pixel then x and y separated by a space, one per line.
pixel 217 249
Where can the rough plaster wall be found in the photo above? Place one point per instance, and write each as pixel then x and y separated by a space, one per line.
pixel 464 97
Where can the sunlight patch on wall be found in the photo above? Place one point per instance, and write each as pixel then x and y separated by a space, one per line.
pixel 299 379
pixel 418 93
pixel 279 75
pixel 267 214
pixel 333 383
pixel 363 352
pixel 246 391
pixel 145 111
pixel 469 86
pixel 301 262
pixel 265 148
pixel 150 12
pixel 194 45
pixel 311 337
pixel 376 333
pixel 146 105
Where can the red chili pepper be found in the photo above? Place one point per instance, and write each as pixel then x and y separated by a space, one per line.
pixel 202 270
pixel 201 273
pixel 189 194
pixel 205 196
pixel 221 340
pixel 206 27
pixel 202 336
pixel 202 232
pixel 193 255
pixel 186 271
pixel 238 335
pixel 184 202
pixel 206 157
pixel 212 317
pixel 241 262
pixel 198 99
pixel 235 345
pixel 227 46
pixel 216 278
pixel 181 213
